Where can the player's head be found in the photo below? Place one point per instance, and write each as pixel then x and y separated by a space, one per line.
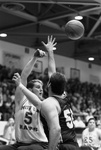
pixel 36 86
pixel 91 123
pixel 57 83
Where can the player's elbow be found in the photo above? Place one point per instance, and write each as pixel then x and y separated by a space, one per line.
pixel 57 130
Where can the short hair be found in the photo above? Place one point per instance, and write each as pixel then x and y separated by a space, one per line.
pixel 31 83
pixel 92 118
pixel 58 83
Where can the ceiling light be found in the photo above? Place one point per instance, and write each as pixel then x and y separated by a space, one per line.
pixel 78 17
pixel 3 34
pixel 91 58
pixel 13 6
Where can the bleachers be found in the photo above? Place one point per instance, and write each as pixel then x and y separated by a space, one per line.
pixel 84 98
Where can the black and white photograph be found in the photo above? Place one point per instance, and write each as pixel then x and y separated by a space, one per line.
pixel 50 74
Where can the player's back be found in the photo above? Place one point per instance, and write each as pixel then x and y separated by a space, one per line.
pixel 66 122
pixel 67 125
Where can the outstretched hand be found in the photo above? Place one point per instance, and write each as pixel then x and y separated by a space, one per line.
pixel 50 46
pixel 39 53
pixel 17 79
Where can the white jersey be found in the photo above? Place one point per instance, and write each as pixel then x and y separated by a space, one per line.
pixel 91 138
pixel 28 125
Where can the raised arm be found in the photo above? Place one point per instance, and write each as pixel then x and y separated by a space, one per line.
pixel 26 72
pixel 50 47
pixel 29 66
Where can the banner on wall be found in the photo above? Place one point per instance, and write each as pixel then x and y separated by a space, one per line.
pixel 11 60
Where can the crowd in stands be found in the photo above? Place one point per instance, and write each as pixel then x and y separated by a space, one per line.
pixel 85 97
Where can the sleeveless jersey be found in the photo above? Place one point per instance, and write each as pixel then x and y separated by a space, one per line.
pixel 66 123
pixel 28 125
pixel 91 138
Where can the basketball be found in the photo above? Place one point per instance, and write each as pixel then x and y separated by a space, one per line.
pixel 74 29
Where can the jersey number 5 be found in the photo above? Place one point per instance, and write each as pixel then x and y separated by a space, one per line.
pixel 28 118
pixel 69 118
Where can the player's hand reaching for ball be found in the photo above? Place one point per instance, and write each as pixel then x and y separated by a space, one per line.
pixel 17 79
pixel 50 46
pixel 39 53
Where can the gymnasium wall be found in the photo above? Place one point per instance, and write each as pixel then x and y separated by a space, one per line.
pixel 86 74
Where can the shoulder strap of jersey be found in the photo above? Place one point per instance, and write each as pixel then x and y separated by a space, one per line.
pixel 63 102
pixel 60 100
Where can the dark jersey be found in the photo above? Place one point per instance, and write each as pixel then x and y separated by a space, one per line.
pixel 67 126
pixel 66 123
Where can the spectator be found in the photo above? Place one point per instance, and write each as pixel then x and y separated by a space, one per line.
pixel 9 131
pixel 91 136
